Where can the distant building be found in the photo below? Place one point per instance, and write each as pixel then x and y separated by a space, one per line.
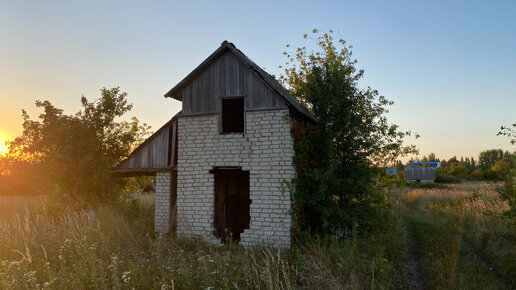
pixel 420 174
pixel 435 164
pixel 391 171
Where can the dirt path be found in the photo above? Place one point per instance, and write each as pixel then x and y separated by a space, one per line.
pixel 418 278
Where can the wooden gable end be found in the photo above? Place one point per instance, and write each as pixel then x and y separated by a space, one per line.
pixel 158 152
pixel 228 76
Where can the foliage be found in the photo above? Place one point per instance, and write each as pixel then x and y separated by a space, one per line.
pixel 508 190
pixel 508 166
pixel 509 131
pixel 135 184
pixel 74 154
pixel 487 158
pixel 441 176
pixel 492 165
pixel 426 185
pixel 334 158
pixel 389 182
pixel 114 247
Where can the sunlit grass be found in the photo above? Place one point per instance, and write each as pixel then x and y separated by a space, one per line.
pixel 45 244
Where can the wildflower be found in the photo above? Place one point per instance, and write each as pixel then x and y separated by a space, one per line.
pixel 15 263
pixel 126 277
pixel 60 257
pixel 29 276
pixel 46 284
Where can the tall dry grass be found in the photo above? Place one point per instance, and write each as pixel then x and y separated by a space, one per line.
pixel 48 245
pixel 462 213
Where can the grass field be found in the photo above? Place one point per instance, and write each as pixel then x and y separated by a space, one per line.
pixel 435 238
pixel 460 239
pixel 44 245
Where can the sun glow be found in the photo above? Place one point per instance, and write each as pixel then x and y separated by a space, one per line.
pixel 3 147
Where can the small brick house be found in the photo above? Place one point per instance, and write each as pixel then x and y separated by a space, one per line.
pixel 223 164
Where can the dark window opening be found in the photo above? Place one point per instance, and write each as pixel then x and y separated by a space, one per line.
pixel 233 115
pixel 231 203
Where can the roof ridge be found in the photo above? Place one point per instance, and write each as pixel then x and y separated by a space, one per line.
pixel 266 77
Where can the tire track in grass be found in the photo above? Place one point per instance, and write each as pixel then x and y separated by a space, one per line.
pixel 418 278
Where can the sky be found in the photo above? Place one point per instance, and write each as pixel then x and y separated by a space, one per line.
pixel 449 66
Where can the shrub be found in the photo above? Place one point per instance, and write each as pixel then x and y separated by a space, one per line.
pixel 442 177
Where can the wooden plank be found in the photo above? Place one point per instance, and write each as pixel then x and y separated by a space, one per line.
pixel 249 88
pixel 174 143
pixel 214 86
pixel 256 91
pixel 227 75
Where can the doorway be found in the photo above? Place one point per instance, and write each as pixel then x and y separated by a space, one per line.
pixel 231 203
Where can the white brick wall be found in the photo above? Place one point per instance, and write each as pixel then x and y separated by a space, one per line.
pixel 162 203
pixel 265 150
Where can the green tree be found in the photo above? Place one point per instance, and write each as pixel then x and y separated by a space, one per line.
pixel 508 191
pixel 488 158
pixel 75 153
pixel 335 157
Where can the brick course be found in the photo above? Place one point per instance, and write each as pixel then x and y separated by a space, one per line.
pixel 162 203
pixel 265 150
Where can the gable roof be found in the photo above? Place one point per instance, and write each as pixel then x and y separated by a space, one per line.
pixel 175 92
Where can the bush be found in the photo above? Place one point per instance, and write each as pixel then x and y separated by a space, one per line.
pixel 442 177
pixel 426 185
pixel 75 153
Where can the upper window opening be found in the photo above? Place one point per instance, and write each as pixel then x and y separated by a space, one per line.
pixel 233 115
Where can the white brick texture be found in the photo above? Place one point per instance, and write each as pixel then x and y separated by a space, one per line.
pixel 265 150
pixel 162 203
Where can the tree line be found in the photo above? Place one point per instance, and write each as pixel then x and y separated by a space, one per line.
pixel 491 165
